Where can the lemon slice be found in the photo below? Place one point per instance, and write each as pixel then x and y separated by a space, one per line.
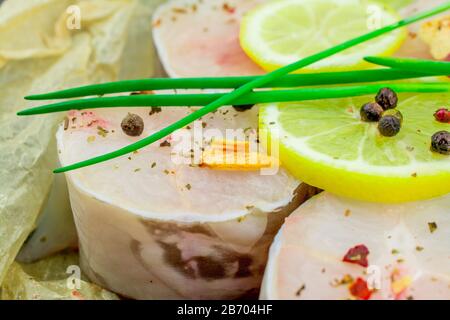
pixel 326 144
pixel 280 32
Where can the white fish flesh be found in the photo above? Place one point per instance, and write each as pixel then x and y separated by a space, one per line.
pixel 408 244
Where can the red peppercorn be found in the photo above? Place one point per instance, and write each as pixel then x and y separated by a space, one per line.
pixel 442 115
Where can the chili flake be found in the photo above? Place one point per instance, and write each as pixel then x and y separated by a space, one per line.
pixel 77 295
pixel 357 255
pixel 228 8
pixel 360 290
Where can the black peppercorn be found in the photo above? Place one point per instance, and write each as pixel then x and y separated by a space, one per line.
pixel 371 112
pixel 394 112
pixel 387 98
pixel 132 125
pixel 440 142
pixel 243 107
pixel 389 126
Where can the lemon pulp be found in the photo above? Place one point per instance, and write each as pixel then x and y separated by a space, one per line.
pixel 281 32
pixel 326 144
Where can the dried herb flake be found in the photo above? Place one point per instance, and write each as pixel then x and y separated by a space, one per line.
pixel 432 226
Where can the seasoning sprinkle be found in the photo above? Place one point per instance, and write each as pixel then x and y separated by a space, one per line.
pixel 360 290
pixel 228 8
pixel 102 132
pixel 165 144
pixel 432 226
pixel 299 291
pixel 154 110
pixel 346 279
pixel 66 123
pixel 357 255
pixel 179 10
pixel 401 285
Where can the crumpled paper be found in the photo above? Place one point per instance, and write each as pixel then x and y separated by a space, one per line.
pixel 39 53
pixel 55 278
